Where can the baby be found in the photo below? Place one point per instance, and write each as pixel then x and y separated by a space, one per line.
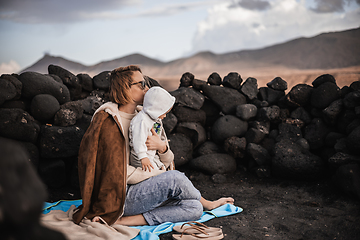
pixel 157 103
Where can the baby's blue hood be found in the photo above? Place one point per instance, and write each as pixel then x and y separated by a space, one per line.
pixel 157 101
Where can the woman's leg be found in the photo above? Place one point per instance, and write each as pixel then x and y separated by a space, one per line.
pixel 169 196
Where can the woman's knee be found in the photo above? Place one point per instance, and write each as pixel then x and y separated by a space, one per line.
pixel 196 210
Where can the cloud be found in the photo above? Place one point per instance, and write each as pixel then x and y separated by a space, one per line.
pixel 233 29
pixel 251 4
pixel 328 6
pixel 54 11
pixel 9 68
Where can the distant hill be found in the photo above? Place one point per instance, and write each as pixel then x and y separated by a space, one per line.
pixel 324 51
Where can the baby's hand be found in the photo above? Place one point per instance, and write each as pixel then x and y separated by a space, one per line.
pixel 146 164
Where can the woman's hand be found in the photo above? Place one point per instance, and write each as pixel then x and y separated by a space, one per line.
pixel 154 143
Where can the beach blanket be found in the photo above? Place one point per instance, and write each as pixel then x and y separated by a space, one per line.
pixel 53 213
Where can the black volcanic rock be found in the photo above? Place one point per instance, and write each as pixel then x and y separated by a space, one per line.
pixel 235 146
pixel 169 122
pixel 85 81
pixel 263 126
pixel 214 163
pixel 22 193
pixel 323 79
pixel 214 79
pixel 65 117
pixel 292 161
pixel 76 107
pixel 18 124
pixel 271 113
pixel 55 77
pixel 35 83
pixel 254 135
pixel 325 94
pixel 332 138
pixel 212 111
pixel 302 114
pixel 277 84
pixel 16 104
pixel 102 81
pixel 182 148
pixel 259 154
pixel 186 79
pixel 344 119
pixel 194 131
pixel 315 133
pixel 208 147
pixel 53 172
pixel 68 78
pixel 352 99
pixel 60 142
pixel 289 131
pixel 299 95
pixel 355 86
pixel 7 90
pixel 353 141
pixel 188 97
pixel 232 80
pixel 44 107
pixel 226 98
pixel 198 84
pixel 331 113
pixel 340 158
pixel 270 95
pixel 15 82
pixel 228 126
pixel 250 88
pixel 246 111
pixel 91 103
pixel 186 114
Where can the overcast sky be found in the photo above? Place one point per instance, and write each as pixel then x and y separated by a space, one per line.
pixel 91 31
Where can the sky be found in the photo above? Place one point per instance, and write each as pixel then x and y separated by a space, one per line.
pixel 91 31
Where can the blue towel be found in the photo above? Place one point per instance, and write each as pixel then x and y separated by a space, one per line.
pixel 150 232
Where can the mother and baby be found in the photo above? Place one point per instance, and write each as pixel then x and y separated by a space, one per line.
pixel 125 163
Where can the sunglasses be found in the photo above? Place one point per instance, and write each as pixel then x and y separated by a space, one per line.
pixel 142 84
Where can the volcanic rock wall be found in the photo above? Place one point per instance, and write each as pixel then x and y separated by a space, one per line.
pixel 215 126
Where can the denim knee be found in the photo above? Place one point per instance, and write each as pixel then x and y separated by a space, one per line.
pixel 196 211
pixel 181 181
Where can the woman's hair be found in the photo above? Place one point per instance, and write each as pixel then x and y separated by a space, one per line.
pixel 120 84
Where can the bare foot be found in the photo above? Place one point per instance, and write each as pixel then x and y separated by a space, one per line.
pixel 222 201
pixel 210 205
pixel 96 219
pixel 135 220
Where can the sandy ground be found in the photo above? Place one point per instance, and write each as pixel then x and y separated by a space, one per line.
pixel 273 208
pixel 281 209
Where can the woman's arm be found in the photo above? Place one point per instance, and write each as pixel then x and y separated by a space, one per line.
pixel 154 142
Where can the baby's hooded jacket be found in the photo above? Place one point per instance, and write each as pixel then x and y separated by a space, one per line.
pixel 157 101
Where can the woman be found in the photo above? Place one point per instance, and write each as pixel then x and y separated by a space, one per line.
pixel 117 193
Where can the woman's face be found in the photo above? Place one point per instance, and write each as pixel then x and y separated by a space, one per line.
pixel 137 91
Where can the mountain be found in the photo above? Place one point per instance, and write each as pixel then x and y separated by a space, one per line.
pixel 324 51
pixel 41 66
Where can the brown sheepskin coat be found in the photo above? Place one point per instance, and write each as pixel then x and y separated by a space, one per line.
pixel 102 170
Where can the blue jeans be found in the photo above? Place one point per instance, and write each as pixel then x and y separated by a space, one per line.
pixel 168 197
